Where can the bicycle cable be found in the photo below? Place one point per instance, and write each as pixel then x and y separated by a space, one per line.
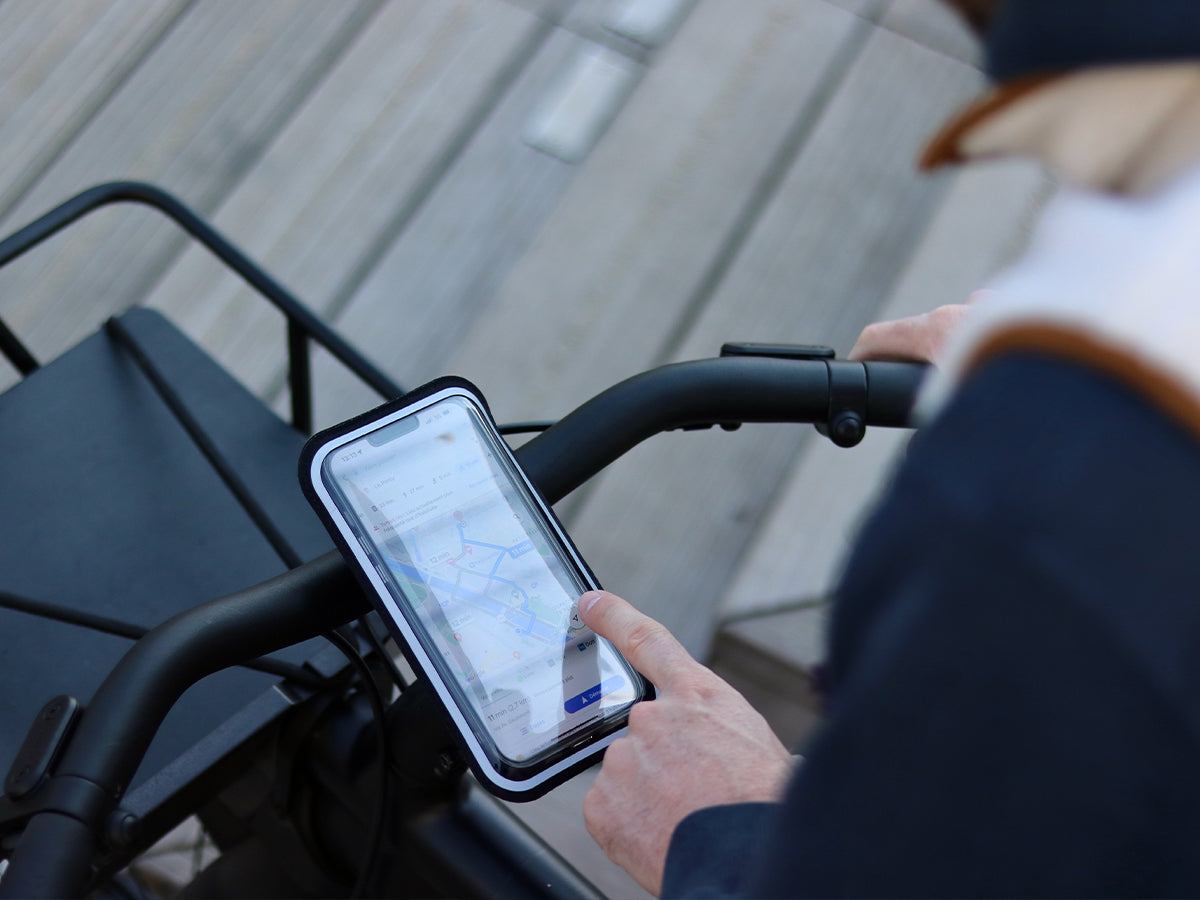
pixel 364 622
pixel 375 698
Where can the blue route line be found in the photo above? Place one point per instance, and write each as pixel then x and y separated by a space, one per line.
pixel 503 551
pixel 489 605
pixel 463 537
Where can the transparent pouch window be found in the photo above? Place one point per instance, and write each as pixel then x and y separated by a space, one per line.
pixel 485 581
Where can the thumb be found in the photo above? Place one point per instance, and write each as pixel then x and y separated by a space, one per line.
pixel 647 644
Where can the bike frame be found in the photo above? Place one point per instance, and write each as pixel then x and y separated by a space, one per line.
pixel 458 841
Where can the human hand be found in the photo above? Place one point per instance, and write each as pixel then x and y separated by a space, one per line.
pixel 699 743
pixel 915 339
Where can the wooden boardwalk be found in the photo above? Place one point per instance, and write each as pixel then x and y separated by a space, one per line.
pixel 544 196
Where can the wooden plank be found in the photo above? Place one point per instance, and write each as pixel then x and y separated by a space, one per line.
pixel 550 10
pixel 445 268
pixel 836 236
pixel 649 23
pixel 636 27
pixel 782 692
pixel 346 175
pixel 799 552
pixel 868 9
pixel 59 61
pixel 194 115
pixel 582 102
pixel 448 279
pixel 612 270
pixel 935 26
pixel 557 818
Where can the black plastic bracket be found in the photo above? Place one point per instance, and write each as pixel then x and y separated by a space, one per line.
pixel 303 324
pixel 424 746
pixel 67 795
pixel 43 744
pixel 846 423
pixel 31 786
pixel 779 351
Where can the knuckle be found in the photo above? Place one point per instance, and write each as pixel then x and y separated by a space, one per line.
pixel 618 757
pixel 871 333
pixel 640 717
pixel 644 636
pixel 594 819
pixel 701 681
pixel 592 801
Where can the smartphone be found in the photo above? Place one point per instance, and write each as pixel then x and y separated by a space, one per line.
pixel 478 581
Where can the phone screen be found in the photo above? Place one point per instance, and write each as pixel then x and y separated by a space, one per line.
pixel 482 577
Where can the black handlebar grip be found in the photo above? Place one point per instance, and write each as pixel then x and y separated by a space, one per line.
pixel 704 391
pixel 892 389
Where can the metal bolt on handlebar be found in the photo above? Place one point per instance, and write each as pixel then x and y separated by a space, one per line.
pixel 120 829
pixel 846 429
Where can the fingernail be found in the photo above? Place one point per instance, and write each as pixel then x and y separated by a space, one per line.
pixel 587 601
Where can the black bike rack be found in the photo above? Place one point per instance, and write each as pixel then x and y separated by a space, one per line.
pixel 302 324
pixel 43 786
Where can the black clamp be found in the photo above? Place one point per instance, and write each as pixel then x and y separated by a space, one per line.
pixel 41 748
pixel 846 422
pixel 31 787
pixel 778 351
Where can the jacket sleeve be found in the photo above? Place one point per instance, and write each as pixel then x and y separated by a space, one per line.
pixel 710 850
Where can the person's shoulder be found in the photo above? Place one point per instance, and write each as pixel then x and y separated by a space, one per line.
pixel 1045 486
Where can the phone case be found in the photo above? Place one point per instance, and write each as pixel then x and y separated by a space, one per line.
pixel 491 772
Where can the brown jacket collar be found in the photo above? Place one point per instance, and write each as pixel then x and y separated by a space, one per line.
pixel 1122 129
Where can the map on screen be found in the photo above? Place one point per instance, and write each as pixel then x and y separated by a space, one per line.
pixel 472 560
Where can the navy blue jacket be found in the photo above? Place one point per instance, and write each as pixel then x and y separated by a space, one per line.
pixel 1014 668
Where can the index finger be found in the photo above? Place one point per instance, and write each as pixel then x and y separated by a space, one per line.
pixel 917 338
pixel 647 644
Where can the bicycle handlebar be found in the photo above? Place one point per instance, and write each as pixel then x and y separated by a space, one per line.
pixel 54 856
pixel 706 392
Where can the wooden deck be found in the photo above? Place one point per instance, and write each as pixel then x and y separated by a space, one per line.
pixel 544 196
